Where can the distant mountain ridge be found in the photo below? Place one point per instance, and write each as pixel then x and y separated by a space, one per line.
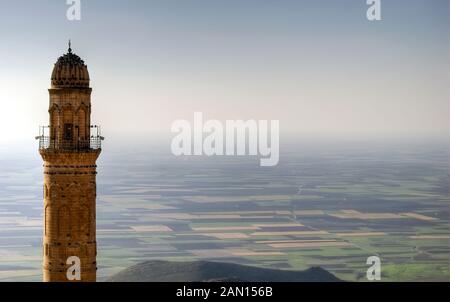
pixel 206 271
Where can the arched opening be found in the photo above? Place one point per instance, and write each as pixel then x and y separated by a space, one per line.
pixel 64 223
pixel 54 122
pixel 85 221
pixel 68 128
pixel 82 127
pixel 47 215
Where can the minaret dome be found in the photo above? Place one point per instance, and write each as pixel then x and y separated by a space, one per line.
pixel 70 71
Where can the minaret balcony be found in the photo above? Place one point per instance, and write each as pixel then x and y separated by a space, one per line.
pixel 69 143
pixel 50 144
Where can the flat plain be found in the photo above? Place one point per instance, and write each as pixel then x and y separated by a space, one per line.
pixel 321 206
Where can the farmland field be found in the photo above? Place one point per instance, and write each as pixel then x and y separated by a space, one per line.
pixel 321 206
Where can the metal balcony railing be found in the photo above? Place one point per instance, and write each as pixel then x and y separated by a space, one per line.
pixel 69 143
pixel 48 143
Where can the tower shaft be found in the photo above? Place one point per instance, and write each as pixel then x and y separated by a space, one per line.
pixel 69 214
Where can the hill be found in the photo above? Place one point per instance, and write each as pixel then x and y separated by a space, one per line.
pixel 205 271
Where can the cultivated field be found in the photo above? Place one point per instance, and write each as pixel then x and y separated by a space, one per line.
pixel 328 208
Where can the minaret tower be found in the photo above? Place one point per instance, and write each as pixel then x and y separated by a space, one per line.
pixel 70 149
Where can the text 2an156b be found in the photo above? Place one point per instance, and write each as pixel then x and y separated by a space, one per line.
pixel 246 291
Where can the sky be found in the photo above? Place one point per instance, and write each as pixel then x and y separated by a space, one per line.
pixel 320 67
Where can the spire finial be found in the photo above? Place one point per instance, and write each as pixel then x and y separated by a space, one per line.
pixel 70 45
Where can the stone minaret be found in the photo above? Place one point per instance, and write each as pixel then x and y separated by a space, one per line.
pixel 69 149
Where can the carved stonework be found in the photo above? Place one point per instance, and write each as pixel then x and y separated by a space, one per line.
pixel 69 189
pixel 70 71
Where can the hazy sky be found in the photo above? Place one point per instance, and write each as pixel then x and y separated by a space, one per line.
pixel 320 67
